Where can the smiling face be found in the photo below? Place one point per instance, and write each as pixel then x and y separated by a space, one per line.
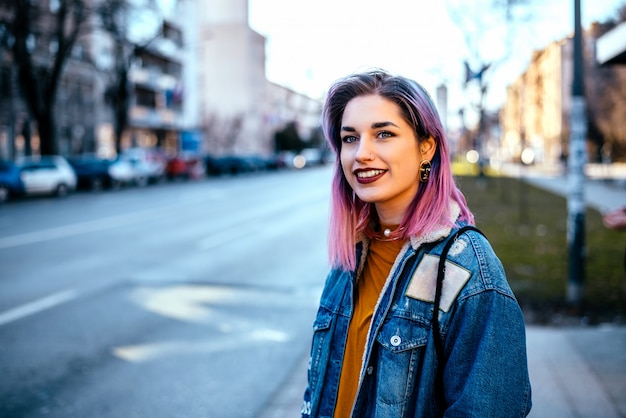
pixel 380 155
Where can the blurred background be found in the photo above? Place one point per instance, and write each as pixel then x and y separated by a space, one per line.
pixel 188 79
pixel 164 189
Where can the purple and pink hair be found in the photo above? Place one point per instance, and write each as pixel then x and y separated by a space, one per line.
pixel 430 209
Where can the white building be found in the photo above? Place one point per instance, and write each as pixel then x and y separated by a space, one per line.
pixel 239 109
pixel 196 82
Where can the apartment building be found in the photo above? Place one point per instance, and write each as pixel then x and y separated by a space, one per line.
pixel 83 118
pixel 535 116
pixel 240 109
pixel 153 58
pixel 196 82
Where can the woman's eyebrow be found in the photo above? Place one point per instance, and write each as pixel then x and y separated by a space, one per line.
pixel 375 125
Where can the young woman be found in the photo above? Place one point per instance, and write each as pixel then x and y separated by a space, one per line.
pixel 387 342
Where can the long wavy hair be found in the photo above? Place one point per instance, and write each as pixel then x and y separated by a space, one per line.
pixel 430 208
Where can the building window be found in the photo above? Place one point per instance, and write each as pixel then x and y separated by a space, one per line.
pixel 31 42
pixel 77 51
pixel 5 82
pixel 145 97
pixel 173 34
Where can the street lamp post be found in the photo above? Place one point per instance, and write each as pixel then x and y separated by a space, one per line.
pixel 576 175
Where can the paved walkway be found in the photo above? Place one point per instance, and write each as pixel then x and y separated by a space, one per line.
pixel 600 193
pixel 575 372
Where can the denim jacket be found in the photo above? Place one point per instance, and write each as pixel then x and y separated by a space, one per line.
pixel 485 372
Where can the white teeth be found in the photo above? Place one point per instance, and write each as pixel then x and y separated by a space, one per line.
pixel 370 173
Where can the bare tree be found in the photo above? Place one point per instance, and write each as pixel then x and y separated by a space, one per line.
pixel 114 16
pixel 479 25
pixel 41 37
pixel 223 132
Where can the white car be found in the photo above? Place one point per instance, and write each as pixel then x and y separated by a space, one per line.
pixel 149 167
pixel 47 175
pixel 122 173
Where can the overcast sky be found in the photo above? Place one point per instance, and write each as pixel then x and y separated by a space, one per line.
pixel 312 43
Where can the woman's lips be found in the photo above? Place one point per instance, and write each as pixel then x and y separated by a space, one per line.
pixel 365 176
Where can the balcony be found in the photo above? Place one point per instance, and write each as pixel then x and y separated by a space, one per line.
pixel 146 117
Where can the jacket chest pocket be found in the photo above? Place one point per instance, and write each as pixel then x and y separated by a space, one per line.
pixel 319 347
pixel 400 358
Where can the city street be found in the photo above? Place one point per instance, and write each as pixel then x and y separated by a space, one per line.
pixel 196 299
pixel 190 299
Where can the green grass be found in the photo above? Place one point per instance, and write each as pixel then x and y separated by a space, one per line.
pixel 527 227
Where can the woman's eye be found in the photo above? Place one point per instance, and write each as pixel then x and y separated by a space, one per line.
pixel 348 139
pixel 385 134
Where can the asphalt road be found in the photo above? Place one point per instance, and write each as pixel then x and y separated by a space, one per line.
pixel 175 300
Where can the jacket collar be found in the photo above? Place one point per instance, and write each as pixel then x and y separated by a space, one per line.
pixel 436 234
pixel 441 231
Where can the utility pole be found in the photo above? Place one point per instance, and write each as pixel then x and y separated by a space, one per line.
pixel 576 174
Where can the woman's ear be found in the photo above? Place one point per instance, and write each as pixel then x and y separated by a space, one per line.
pixel 428 147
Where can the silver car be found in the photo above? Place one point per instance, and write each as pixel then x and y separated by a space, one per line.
pixel 47 175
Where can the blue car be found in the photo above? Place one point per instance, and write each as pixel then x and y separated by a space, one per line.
pixel 10 181
pixel 93 173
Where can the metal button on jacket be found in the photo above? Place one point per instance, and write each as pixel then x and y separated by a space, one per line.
pixel 395 340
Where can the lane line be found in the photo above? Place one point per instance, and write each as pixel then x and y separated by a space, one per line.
pixel 112 222
pixel 37 306
pixel 76 229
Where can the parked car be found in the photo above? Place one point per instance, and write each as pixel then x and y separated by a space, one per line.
pixel 185 166
pixel 149 165
pixel 312 157
pixel 123 173
pixel 47 175
pixel 254 163
pixel 228 164
pixel 90 173
pixel 10 181
pixel 95 173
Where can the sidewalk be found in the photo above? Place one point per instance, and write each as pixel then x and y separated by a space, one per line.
pixel 575 372
pixel 601 194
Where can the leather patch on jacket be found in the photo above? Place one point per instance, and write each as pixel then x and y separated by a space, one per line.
pixel 424 280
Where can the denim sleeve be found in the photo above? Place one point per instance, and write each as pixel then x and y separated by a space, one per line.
pixel 486 370
pixel 306 404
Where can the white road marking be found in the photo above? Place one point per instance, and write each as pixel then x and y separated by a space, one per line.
pixel 150 351
pixel 37 306
pixel 75 229
pixel 91 226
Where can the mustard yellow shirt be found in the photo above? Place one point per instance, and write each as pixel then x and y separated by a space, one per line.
pixel 380 259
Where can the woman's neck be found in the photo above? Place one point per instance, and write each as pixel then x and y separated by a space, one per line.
pixel 389 216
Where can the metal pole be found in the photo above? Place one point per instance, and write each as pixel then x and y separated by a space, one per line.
pixel 576 174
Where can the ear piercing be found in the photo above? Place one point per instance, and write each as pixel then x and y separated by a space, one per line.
pixel 425 167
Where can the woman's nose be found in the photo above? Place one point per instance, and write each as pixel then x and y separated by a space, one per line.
pixel 364 152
